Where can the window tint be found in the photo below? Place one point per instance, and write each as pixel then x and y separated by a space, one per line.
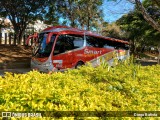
pixel 103 43
pixel 78 42
pixel 91 41
pixel 99 42
pixel 41 37
pixel 52 38
pixel 121 46
pixel 43 49
pixel 108 44
pixel 68 42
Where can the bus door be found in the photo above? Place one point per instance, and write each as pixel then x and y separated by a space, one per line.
pixel 62 54
pixel 68 51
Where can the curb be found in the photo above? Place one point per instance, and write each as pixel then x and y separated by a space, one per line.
pixel 147 60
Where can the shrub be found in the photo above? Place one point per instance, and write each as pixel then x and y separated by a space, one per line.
pixel 125 87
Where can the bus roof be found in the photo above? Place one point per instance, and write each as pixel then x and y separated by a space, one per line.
pixel 66 29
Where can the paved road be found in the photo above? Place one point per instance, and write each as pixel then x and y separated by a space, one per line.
pixel 145 62
pixel 24 70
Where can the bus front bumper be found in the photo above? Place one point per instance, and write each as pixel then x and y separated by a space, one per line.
pixel 42 67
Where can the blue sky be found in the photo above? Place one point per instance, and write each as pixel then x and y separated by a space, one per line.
pixel 114 10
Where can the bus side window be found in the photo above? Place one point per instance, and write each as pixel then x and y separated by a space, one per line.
pixel 68 42
pixel 126 47
pixel 102 43
pixel 74 42
pixel 99 42
pixel 109 44
pixel 78 42
pixel 63 44
pixel 59 47
pixel 91 41
pixel 121 46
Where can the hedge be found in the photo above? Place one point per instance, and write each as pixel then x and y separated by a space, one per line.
pixel 124 87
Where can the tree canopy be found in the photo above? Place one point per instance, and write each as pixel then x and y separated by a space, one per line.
pixel 139 30
pixel 85 14
pixel 154 4
pixel 22 12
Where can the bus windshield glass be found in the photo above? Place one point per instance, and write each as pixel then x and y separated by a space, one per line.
pixel 42 49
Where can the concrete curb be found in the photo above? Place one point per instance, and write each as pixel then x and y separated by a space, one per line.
pixel 145 62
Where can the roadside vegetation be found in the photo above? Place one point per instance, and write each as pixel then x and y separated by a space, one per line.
pixel 125 87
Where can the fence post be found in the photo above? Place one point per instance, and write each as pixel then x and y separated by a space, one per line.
pixel 14 39
pixel 24 39
pixel 32 41
pixel 5 38
pixel 0 38
pixel 9 38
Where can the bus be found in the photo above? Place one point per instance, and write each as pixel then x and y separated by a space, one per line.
pixel 59 48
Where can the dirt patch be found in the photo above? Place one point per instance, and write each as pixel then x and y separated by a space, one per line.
pixel 19 57
pixel 13 57
pixel 14 53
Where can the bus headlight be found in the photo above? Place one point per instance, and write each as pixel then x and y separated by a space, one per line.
pixel 47 64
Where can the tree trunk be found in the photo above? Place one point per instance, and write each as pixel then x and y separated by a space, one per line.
pixel 72 21
pixel 152 22
pixel 147 17
pixel 133 48
pixel 158 54
pixel 19 35
pixel 88 18
pixel 88 24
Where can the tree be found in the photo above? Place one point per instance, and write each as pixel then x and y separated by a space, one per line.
pixel 113 30
pixel 52 16
pixel 91 15
pixel 146 16
pixel 2 25
pixel 67 10
pixel 137 29
pixel 133 25
pixel 153 22
pixel 84 14
pixel 22 12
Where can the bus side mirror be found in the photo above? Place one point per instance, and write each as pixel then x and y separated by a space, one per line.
pixel 35 34
pixel 34 37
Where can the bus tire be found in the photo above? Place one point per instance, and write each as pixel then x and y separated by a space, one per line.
pixel 80 63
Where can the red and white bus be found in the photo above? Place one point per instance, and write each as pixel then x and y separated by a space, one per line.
pixel 60 47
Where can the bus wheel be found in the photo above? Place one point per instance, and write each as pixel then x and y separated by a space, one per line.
pixel 79 64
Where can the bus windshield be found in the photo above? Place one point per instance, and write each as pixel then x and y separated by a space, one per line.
pixel 42 49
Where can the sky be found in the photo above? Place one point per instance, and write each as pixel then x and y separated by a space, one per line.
pixel 114 10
